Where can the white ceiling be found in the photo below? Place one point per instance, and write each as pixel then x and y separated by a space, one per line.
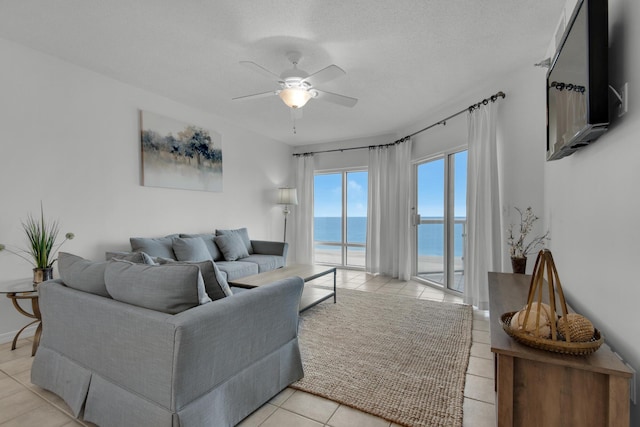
pixel 404 58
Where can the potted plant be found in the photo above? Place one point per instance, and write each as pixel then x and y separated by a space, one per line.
pixel 518 250
pixel 41 237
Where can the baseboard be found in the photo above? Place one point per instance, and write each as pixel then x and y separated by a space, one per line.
pixel 8 336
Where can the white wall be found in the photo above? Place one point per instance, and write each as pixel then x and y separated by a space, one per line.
pixel 70 137
pixel 592 202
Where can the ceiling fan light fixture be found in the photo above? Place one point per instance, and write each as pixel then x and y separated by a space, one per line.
pixel 295 97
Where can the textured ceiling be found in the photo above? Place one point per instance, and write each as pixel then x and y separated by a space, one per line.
pixel 403 58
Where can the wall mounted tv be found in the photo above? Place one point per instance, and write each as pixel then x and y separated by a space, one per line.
pixel 578 82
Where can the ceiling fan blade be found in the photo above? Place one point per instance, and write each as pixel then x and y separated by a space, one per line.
pixel 345 101
pixel 326 74
pixel 261 70
pixel 256 95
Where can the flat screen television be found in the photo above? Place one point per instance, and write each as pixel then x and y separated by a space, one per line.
pixel 578 81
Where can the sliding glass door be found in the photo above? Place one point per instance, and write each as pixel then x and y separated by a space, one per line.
pixel 340 218
pixel 440 220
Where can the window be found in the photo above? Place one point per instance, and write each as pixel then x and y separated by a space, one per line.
pixel 340 218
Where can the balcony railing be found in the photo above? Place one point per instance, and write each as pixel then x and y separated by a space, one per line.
pixel 331 253
pixel 431 260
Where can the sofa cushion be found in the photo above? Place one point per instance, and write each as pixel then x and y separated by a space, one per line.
pixel 81 274
pixel 237 269
pixel 231 246
pixel 216 255
pixel 191 249
pixel 155 247
pixel 170 288
pixel 265 262
pixel 244 235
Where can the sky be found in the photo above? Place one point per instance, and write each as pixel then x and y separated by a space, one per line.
pixel 431 187
pixel 328 194
pixel 328 190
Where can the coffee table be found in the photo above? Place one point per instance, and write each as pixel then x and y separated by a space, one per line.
pixel 310 296
pixel 24 289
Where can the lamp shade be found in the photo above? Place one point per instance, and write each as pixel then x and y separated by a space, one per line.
pixel 295 97
pixel 287 196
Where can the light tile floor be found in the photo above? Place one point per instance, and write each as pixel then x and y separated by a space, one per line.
pixel 25 405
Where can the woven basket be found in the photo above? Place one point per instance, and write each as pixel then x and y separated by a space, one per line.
pixel 556 346
pixel 557 343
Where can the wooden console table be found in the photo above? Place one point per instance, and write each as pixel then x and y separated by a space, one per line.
pixel 541 388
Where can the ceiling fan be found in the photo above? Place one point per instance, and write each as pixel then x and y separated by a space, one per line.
pixel 297 86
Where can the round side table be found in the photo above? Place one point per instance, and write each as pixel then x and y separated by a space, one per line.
pixel 24 289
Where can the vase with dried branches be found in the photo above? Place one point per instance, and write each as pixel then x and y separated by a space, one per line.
pixel 518 248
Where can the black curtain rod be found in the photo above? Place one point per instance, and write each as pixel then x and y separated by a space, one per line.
pixel 492 98
pixel 568 86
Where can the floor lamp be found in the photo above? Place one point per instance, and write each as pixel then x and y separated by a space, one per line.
pixel 286 197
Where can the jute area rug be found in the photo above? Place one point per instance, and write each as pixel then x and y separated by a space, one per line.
pixel 395 357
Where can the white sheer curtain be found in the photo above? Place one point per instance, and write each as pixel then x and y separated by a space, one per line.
pixel 484 219
pixel 388 211
pixel 304 212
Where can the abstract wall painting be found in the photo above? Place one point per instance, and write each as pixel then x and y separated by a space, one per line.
pixel 176 154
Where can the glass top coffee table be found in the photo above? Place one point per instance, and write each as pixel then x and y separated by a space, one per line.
pixel 24 289
pixel 310 296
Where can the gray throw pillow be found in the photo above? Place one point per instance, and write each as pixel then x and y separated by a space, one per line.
pixel 215 280
pixel 211 245
pixel 191 249
pixel 155 247
pixel 82 274
pixel 244 235
pixel 170 288
pixel 232 247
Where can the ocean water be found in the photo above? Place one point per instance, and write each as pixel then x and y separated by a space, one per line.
pixel 430 236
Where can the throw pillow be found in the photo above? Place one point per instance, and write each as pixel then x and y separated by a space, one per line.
pixel 155 247
pixel 191 249
pixel 244 235
pixel 170 288
pixel 211 245
pixel 231 246
pixel 215 280
pixel 82 274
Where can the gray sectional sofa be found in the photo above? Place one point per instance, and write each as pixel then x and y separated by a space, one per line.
pixel 222 248
pixel 123 345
